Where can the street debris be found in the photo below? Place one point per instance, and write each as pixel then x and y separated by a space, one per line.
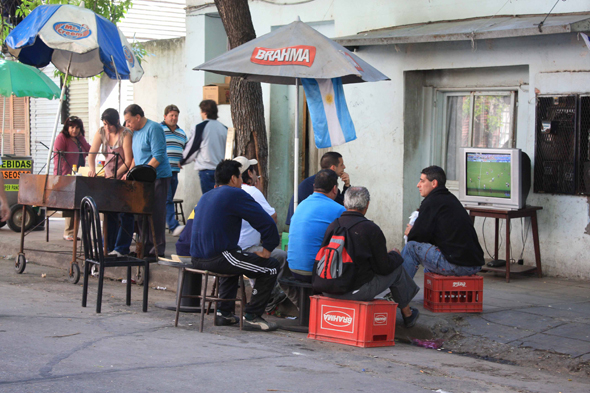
pixel 43 275
pixel 430 344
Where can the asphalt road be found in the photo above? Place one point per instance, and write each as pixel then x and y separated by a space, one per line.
pixel 49 343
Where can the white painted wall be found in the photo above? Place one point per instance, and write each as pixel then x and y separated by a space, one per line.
pixel 376 159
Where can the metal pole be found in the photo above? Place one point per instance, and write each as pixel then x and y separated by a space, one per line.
pixel 61 99
pixel 3 117
pixel 296 149
pixel 118 79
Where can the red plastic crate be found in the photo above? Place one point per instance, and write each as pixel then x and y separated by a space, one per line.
pixel 453 293
pixel 362 324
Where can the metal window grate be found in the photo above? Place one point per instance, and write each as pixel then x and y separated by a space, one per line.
pixel 555 150
pixel 583 177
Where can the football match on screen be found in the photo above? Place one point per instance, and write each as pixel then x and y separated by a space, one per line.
pixel 488 175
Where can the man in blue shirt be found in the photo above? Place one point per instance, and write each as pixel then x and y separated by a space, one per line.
pixel 309 224
pixel 330 160
pixel 149 148
pixel 214 245
pixel 175 143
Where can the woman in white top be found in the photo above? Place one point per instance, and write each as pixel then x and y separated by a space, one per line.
pixel 114 142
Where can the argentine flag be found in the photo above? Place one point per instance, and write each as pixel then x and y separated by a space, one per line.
pixel 332 125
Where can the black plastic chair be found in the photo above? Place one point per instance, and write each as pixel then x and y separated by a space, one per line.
pixel 305 291
pixel 93 254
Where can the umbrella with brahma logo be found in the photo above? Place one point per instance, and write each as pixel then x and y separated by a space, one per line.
pixel 77 41
pixel 297 52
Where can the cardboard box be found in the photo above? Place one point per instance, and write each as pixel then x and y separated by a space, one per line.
pixel 218 92
pixel 227 80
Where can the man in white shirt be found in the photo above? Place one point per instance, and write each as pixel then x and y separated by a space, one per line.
pixel 206 147
pixel 250 237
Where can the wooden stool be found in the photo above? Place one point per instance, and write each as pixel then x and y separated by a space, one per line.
pixel 177 213
pixel 213 298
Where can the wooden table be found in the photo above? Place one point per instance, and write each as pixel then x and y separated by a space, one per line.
pixel 528 211
pixel 66 193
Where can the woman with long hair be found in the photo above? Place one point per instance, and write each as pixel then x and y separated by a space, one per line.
pixel 72 150
pixel 114 142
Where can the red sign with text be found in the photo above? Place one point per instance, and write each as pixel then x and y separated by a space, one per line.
pixel 292 55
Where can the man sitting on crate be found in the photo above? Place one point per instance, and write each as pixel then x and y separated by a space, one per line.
pixel 214 245
pixel 373 269
pixel 443 238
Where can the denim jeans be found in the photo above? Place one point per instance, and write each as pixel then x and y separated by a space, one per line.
pixel 171 220
pixel 207 180
pixel 416 254
pixel 120 236
pixel 400 284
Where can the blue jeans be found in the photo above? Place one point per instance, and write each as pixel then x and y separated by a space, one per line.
pixel 207 180
pixel 171 220
pixel 120 236
pixel 434 261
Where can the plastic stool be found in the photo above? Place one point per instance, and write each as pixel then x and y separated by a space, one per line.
pixel 284 240
pixel 177 204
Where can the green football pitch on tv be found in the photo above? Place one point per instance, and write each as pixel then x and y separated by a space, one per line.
pixel 491 179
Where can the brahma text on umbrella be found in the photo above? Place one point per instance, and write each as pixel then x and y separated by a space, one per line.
pixel 297 55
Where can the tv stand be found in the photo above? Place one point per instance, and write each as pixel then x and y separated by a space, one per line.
pixel 528 211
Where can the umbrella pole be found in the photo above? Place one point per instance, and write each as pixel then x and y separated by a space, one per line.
pixel 118 80
pixel 61 99
pixel 296 149
pixel 3 117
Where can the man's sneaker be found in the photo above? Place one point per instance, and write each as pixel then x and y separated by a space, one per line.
pixel 274 302
pixel 259 323
pixel 224 318
pixel 410 321
pixel 177 231
pixel 115 253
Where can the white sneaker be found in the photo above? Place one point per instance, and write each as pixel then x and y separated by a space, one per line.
pixel 178 230
pixel 115 253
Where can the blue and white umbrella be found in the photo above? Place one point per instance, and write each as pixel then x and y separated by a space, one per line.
pixel 78 42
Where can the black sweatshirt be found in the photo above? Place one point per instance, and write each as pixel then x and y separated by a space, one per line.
pixel 445 223
pixel 369 249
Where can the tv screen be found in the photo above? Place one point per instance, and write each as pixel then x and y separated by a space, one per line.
pixel 488 175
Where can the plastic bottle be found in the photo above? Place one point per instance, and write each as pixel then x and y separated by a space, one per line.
pixel 74 169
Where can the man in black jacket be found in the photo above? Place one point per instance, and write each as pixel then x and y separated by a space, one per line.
pixel 443 238
pixel 376 270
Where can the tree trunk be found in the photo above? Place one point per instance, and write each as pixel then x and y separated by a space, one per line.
pixel 247 109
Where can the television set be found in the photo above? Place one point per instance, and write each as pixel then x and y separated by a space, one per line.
pixel 494 178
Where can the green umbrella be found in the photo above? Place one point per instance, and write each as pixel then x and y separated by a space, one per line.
pixel 23 81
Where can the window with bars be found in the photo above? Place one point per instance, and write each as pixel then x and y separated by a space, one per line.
pixel 475 119
pixel 14 114
pixel 562 150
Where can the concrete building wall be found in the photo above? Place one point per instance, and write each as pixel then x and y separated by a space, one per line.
pixel 394 119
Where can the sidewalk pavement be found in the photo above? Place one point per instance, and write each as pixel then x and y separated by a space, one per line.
pixel 540 322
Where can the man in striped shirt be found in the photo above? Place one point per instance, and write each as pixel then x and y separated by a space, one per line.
pixel 175 143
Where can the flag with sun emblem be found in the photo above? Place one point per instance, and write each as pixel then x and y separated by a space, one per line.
pixel 332 124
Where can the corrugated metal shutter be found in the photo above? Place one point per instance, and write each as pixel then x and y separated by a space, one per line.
pixel 43 113
pixel 78 101
pixel 154 20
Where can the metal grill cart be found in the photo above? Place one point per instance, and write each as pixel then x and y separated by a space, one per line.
pixel 64 193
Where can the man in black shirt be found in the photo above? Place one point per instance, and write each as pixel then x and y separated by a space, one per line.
pixel 443 238
pixel 376 270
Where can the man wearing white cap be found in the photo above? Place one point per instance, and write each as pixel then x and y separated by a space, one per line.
pixel 250 237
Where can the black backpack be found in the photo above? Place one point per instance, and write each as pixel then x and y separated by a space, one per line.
pixel 334 271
